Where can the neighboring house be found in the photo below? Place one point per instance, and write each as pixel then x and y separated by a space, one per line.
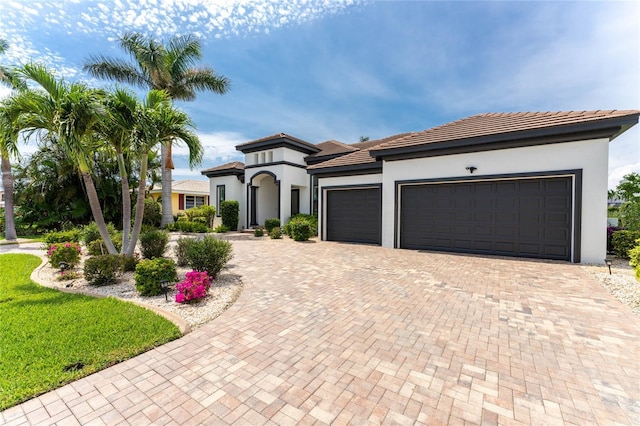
pixel 515 184
pixel 184 194
pixel 1 199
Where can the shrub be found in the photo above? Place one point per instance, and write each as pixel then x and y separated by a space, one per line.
pixel 97 247
pixel 623 241
pixel 153 243
pixel 68 276
pixel 220 229
pixel 300 230
pixel 186 226
pixel 72 235
pixel 193 288
pixel 203 214
pixel 610 231
pixel 68 253
pixel 301 217
pixel 258 232
pixel 630 215
pixel 209 254
pixel 269 224
pixel 275 233
pixel 129 263
pixel 634 255
pixel 152 213
pixel 150 272
pixel 90 233
pixel 181 249
pixel 103 269
pixel 230 212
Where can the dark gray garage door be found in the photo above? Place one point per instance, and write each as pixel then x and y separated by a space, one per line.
pixel 523 217
pixel 354 215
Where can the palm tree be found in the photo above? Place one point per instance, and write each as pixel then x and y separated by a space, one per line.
pixel 8 146
pixel 170 68
pixel 71 112
pixel 159 122
pixel 118 128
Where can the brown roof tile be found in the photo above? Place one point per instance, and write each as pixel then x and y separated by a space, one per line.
pixel 276 136
pixel 235 165
pixel 490 124
pixel 332 147
pixel 361 156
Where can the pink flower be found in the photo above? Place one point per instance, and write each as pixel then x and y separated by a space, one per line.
pixel 179 298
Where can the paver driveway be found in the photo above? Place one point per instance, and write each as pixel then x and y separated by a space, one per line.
pixel 350 334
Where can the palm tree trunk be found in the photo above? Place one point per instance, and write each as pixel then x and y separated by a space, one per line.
pixel 126 203
pixel 94 203
pixel 167 208
pixel 7 185
pixel 137 224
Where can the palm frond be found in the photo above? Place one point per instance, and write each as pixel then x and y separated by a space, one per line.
pixel 44 78
pixel 116 70
pixel 205 78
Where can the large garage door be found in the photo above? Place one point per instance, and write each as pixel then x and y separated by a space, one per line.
pixel 519 217
pixel 354 215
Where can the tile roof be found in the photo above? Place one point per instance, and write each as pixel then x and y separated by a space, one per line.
pixel 361 156
pixel 493 124
pixel 186 187
pixel 235 165
pixel 332 147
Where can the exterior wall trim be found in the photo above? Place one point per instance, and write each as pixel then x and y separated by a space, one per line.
pixel 250 201
pixel 576 174
pixel 276 163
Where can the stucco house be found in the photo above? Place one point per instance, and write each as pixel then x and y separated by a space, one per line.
pixel 184 194
pixel 516 184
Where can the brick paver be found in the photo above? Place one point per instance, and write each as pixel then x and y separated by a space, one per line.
pixel 328 333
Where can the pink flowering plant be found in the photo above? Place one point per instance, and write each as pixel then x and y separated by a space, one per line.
pixel 193 288
pixel 68 253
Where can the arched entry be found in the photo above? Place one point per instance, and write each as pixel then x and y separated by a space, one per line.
pixel 263 196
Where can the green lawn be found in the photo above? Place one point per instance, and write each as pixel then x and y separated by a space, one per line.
pixel 49 338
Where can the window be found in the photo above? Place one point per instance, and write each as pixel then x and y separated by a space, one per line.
pixel 255 158
pixel 221 194
pixel 262 158
pixel 270 156
pixel 193 201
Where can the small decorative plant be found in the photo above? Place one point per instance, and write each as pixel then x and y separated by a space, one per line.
pixel 64 253
pixel 271 223
pixel 103 269
pixel 151 272
pixel 275 233
pixel 258 232
pixel 193 288
pixel 68 275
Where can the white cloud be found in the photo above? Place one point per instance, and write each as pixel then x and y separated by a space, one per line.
pixel 218 147
pixel 616 175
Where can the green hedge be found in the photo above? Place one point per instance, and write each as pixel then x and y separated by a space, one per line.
pixel 623 241
pixel 72 235
pixel 153 243
pixel 209 254
pixel 271 223
pixel 230 212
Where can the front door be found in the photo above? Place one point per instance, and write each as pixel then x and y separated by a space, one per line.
pixel 254 206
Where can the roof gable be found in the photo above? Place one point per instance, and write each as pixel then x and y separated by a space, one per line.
pixel 276 141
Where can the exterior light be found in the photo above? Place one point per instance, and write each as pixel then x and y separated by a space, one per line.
pixel 165 287
pixel 608 263
pixel 471 169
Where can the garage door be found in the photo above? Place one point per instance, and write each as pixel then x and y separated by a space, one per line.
pixel 519 217
pixel 354 215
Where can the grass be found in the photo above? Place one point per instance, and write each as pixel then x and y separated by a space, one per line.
pixel 49 338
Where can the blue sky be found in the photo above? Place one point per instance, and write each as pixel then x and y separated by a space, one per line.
pixel 322 70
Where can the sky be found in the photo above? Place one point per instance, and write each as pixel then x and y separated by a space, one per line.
pixel 342 69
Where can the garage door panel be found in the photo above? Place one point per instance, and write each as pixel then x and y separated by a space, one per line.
pixel 354 215
pixel 520 217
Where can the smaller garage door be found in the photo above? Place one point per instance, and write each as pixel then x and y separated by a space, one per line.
pixel 354 215
pixel 517 217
